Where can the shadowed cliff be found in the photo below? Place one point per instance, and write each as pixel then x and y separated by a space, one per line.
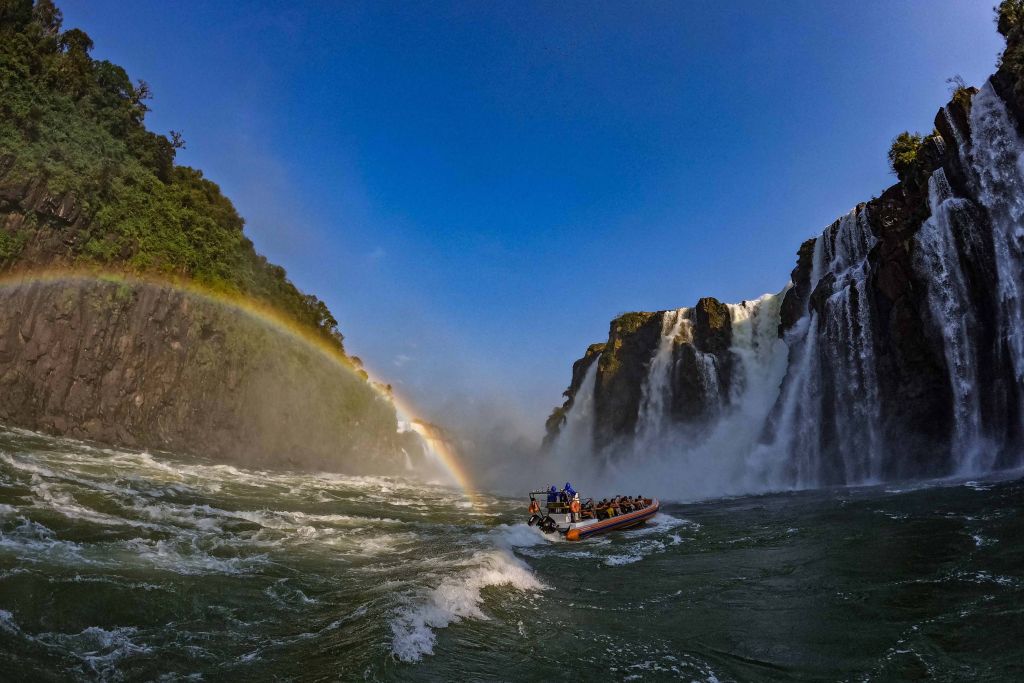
pixel 84 185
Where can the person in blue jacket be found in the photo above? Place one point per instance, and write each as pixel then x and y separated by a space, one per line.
pixel 553 494
pixel 569 491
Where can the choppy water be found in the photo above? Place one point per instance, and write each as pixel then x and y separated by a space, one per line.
pixel 126 565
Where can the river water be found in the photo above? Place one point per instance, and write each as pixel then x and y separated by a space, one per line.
pixel 123 565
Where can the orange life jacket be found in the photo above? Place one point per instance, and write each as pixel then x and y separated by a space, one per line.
pixel 574 506
pixel 534 507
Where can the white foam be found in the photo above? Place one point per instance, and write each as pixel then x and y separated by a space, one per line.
pixel 456 598
pixel 519 536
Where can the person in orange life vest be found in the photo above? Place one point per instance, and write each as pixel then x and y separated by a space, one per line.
pixel 534 511
pixel 574 508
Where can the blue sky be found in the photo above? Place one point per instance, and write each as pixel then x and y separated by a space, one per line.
pixel 476 189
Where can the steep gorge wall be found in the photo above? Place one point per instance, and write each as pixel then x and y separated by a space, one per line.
pixel 150 366
pixel 901 325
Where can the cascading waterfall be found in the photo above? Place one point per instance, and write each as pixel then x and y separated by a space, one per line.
pixel 849 347
pixel 994 160
pixel 835 345
pixel 577 434
pixel 707 369
pixel 656 390
pixel 938 259
pixel 710 460
pixel 806 410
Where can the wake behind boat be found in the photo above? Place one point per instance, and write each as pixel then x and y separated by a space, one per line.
pixel 566 514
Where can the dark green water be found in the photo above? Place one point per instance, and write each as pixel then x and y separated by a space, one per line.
pixel 118 565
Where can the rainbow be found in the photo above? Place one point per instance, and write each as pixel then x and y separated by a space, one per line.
pixel 265 315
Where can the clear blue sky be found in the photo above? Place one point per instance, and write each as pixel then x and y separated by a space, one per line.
pixel 477 188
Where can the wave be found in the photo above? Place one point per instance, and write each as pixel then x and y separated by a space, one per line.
pixel 457 597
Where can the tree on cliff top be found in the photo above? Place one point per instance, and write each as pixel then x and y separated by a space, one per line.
pixel 77 124
pixel 903 153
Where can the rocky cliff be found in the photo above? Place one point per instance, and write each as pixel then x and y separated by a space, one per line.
pixel 901 328
pixel 85 187
pixel 152 366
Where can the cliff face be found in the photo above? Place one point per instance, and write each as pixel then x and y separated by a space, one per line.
pixel 623 365
pixel 901 325
pixel 150 366
pixel 86 187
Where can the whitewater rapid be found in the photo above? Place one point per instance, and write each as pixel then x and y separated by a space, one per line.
pixel 270 561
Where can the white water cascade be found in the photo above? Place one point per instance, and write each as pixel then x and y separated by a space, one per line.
pixel 807 410
pixel 577 434
pixel 712 458
pixel 938 259
pixel 995 161
pixel 835 346
pixel 655 396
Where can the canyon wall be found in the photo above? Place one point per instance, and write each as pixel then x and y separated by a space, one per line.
pixel 152 366
pixel 896 350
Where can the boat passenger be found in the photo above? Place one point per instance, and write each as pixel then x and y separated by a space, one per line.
pixel 616 509
pixel 552 494
pixel 574 508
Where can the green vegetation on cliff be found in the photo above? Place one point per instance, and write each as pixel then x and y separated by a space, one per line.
pixel 903 153
pixel 76 125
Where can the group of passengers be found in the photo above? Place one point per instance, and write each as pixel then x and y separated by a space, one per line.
pixel 560 501
pixel 567 500
pixel 620 505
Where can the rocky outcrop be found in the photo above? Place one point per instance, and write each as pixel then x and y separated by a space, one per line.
pixel 795 302
pixel 621 372
pixel 901 321
pixel 38 227
pixel 624 362
pixel 151 366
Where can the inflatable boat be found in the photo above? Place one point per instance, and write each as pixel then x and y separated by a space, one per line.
pixel 576 522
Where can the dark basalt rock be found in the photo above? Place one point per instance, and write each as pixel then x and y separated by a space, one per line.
pixel 794 304
pixel 47 225
pixel 632 340
pixel 712 326
pixel 148 366
pixel 691 401
pixel 821 293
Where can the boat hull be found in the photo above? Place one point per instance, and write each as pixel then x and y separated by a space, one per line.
pixel 626 521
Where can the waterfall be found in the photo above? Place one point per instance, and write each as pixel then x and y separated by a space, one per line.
pixel 821 436
pixel 997 176
pixel 710 457
pixel 656 390
pixel 806 410
pixel 576 437
pixel 938 260
pixel 759 355
pixel 707 374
